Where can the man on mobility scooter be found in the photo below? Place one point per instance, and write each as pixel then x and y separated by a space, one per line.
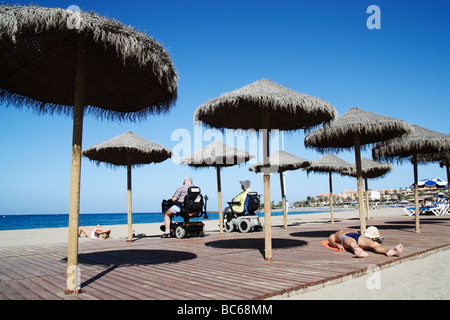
pixel 241 211
pixel 188 203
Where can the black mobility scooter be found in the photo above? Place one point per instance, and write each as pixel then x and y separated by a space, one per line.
pixel 194 206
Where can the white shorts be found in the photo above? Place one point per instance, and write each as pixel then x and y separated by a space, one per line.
pixel 175 208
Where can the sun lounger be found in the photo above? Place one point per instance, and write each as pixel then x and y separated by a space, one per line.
pixel 440 207
pixel 422 210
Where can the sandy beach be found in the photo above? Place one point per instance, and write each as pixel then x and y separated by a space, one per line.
pixel 59 235
pixel 424 277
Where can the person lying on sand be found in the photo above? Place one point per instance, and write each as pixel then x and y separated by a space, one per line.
pixel 351 240
pixel 97 233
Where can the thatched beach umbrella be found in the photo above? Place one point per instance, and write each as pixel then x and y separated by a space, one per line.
pixel 218 155
pixel 329 163
pixel 128 150
pixel 354 129
pixel 407 148
pixel 264 105
pixel 370 169
pixel 72 62
pixel 281 161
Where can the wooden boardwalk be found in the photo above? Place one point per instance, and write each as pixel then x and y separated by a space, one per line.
pixel 219 266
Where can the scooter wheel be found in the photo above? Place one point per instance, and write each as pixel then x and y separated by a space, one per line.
pixel 180 232
pixel 229 226
pixel 244 226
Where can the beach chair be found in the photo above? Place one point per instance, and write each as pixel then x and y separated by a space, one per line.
pixel 246 220
pixel 441 208
pixel 194 206
pixel 411 211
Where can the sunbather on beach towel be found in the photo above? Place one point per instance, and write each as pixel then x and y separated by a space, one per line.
pixel 97 233
pixel 351 240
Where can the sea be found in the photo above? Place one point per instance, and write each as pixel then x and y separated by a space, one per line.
pixel 40 221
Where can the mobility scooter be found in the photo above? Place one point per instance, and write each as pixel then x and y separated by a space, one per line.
pixel 243 221
pixel 194 206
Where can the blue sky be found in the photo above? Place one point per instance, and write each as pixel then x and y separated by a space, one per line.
pixel 322 48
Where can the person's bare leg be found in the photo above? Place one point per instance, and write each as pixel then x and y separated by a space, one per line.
pixel 167 218
pixel 354 247
pixel 374 246
pixel 360 253
pixel 369 244
pixel 85 231
pixel 396 251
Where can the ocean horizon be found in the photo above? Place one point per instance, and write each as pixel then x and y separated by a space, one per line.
pixel 40 221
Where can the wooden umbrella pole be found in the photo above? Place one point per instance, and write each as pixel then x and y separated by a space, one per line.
pixel 416 193
pixel 331 198
pixel 267 209
pixel 283 200
pixel 360 184
pixel 366 195
pixel 267 219
pixel 130 218
pixel 73 276
pixel 219 196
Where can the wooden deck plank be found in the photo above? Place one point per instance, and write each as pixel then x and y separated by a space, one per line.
pixel 211 280
pixel 219 266
pixel 45 291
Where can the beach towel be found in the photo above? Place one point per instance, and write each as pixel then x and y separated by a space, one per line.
pixel 326 244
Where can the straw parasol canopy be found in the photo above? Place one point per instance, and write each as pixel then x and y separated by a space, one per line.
pixel 265 105
pixel 408 148
pixel 128 150
pixel 370 169
pixel 69 61
pixel 421 141
pixel 329 163
pixel 250 106
pixel 218 155
pixel 281 161
pixel 127 73
pixel 354 129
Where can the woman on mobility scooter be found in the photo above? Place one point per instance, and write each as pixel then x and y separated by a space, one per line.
pixel 241 211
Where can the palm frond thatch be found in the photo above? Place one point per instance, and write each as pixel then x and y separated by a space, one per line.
pixel 329 163
pixel 443 158
pixel 371 169
pixel 371 128
pixel 421 141
pixel 281 161
pixel 243 109
pixel 216 154
pixel 128 74
pixel 127 148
